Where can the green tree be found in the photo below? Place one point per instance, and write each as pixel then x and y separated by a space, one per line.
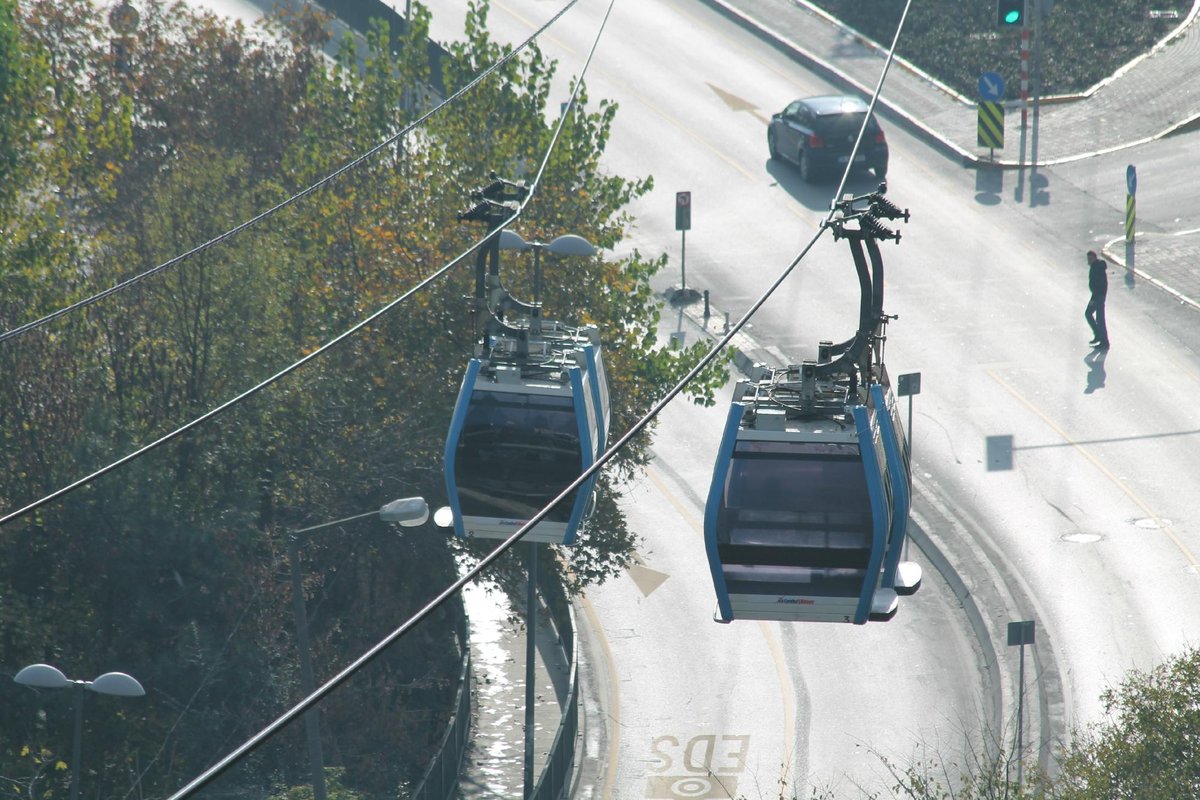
pixel 1147 745
pixel 174 567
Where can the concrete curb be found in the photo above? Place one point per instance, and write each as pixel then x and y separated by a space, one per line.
pixel 911 123
pixel 833 75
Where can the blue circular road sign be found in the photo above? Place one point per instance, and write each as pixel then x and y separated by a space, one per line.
pixel 1131 179
pixel 991 86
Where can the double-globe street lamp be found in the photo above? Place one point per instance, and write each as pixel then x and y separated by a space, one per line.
pixel 569 244
pixel 44 676
pixel 409 512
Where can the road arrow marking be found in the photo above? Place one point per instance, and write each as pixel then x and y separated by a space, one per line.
pixel 736 103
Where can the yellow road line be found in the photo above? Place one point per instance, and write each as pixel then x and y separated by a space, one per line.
pixel 1162 524
pixel 614 696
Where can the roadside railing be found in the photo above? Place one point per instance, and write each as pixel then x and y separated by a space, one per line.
pixel 555 779
pixel 440 781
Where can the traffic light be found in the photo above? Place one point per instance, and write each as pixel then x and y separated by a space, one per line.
pixel 1010 13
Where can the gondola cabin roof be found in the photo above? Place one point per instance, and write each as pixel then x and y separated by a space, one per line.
pixel 789 404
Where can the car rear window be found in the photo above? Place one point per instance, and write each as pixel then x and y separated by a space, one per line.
pixel 840 126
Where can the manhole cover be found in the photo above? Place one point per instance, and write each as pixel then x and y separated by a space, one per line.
pixel 1082 538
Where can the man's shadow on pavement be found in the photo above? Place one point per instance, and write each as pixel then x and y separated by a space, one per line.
pixel 1096 374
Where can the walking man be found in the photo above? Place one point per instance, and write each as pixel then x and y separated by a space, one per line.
pixel 1094 314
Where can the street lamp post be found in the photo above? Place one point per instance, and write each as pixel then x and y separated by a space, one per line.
pixel 44 676
pixel 408 512
pixel 569 244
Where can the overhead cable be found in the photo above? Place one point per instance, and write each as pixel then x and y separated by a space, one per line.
pixel 337 680
pixel 4 520
pixel 281 722
pixel 229 234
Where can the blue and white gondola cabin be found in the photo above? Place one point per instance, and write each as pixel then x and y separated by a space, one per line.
pixel 523 429
pixel 799 513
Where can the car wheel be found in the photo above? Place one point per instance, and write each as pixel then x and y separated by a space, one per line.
pixel 772 146
pixel 807 171
pixel 881 170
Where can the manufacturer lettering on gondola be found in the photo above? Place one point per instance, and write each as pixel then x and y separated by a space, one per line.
pixel 800 601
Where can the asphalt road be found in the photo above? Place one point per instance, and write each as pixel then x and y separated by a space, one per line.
pixel 1091 532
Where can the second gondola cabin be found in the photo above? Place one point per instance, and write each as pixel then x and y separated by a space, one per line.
pixel 530 418
pixel 799 513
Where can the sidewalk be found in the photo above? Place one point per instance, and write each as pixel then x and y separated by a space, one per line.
pixel 1153 96
pixel 494 766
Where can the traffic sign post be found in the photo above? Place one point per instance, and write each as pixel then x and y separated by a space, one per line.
pixel 907 385
pixel 683 211
pixel 1019 635
pixel 1130 203
pixel 991 86
pixel 683 223
pixel 990 126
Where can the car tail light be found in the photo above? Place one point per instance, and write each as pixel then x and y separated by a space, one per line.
pixel 815 141
pixel 880 138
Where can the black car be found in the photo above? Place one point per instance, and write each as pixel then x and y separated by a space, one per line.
pixel 818 133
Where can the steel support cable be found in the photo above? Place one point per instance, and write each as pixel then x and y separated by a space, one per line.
pixel 254 742
pixel 887 64
pixel 304 705
pixel 454 588
pixel 7 518
pixel 232 232
pixel 308 702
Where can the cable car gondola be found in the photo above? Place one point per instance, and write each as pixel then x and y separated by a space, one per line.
pixel 807 513
pixel 530 417
pixel 532 413
pixel 799 513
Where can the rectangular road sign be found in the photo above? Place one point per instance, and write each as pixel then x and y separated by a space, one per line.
pixel 991 125
pixel 1020 633
pixel 683 211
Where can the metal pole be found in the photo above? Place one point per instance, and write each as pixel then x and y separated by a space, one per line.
pixel 908 539
pixel 530 649
pixel 312 721
pixel 1037 88
pixel 77 743
pixel 910 436
pixel 682 260
pixel 1024 51
pixel 535 325
pixel 1020 716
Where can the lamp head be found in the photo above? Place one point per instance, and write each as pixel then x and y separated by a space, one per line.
pixel 42 676
pixel 409 511
pixel 117 683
